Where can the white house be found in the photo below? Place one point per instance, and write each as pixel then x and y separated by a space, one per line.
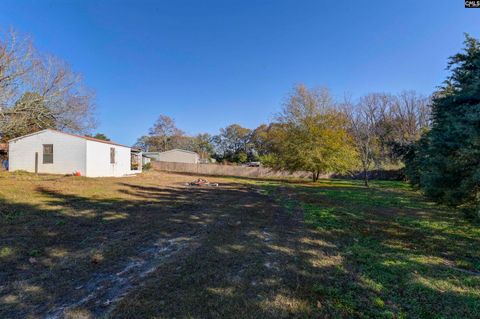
pixel 175 155
pixel 53 152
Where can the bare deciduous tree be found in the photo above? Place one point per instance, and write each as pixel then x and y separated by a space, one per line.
pixel 164 134
pixel 364 118
pixel 380 122
pixel 16 60
pixel 411 111
pixel 38 92
pixel 305 103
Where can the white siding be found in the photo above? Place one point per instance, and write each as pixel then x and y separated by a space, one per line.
pixel 98 160
pixel 178 156
pixel 68 153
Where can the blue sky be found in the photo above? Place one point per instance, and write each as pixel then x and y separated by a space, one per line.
pixel 209 64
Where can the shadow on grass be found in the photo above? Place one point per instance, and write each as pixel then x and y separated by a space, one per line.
pixel 290 180
pixel 252 257
pixel 404 255
pixel 50 250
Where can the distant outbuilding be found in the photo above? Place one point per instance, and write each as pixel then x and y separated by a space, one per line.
pixel 54 152
pixel 175 155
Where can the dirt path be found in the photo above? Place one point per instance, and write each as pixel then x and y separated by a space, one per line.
pixel 104 290
pixel 153 247
pixel 243 265
pixel 248 267
pixel 99 296
pixel 77 246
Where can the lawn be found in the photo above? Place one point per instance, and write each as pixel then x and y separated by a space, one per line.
pixel 151 247
pixel 397 255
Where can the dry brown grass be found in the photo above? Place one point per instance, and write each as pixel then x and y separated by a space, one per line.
pixel 63 236
pixel 151 247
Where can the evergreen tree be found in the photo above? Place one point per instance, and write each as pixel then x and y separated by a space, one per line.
pixel 448 159
pixel 100 136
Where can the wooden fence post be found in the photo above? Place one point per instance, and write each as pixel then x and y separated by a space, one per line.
pixel 36 162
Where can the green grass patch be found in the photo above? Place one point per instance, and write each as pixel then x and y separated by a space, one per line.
pixel 403 256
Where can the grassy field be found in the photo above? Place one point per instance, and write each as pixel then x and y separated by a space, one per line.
pixel 152 247
pixel 396 255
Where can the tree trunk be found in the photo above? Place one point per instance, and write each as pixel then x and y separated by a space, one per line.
pixel 315 176
pixel 365 176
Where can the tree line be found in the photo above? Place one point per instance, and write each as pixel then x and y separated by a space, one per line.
pixel 312 132
pixel 434 139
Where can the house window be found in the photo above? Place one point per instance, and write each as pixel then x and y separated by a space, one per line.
pixel 112 155
pixel 47 153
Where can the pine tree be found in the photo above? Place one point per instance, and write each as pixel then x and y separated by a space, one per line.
pixel 449 157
